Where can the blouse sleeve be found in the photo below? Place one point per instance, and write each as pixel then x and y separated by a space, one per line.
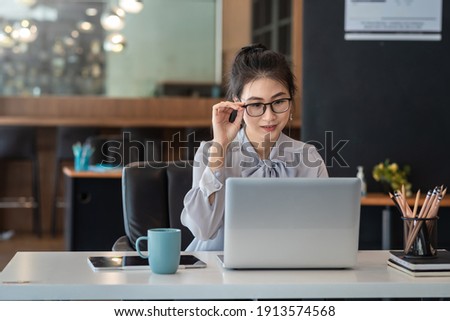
pixel 202 218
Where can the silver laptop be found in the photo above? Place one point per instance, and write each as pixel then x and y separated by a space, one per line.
pixel 282 223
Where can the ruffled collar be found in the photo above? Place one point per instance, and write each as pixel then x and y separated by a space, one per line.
pixel 254 166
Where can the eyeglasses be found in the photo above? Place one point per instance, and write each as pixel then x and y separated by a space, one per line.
pixel 278 106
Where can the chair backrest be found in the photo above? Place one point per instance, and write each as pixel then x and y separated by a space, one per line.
pixel 153 196
pixel 17 142
pixel 179 175
pixel 144 197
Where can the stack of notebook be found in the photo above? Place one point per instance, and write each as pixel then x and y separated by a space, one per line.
pixel 435 266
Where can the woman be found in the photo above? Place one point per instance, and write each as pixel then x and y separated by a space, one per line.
pixel 261 89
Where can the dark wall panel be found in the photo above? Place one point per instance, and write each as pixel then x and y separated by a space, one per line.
pixel 389 99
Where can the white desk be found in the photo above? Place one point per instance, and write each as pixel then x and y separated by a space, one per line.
pixel 67 276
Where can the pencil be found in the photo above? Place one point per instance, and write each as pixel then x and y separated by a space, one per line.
pixel 425 202
pixel 432 202
pixel 394 199
pixel 416 204
pixel 404 197
pixel 405 208
pixel 434 210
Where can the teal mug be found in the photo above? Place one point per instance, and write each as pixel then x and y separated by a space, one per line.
pixel 164 246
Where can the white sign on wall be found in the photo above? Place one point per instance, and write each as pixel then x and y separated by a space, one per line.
pixel 393 19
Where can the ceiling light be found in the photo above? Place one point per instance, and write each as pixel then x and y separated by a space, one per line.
pixel 85 26
pixel 8 28
pixel 5 37
pixel 113 19
pixel 114 42
pixel 69 41
pixel 75 34
pixel 24 31
pixel 91 12
pixel 131 6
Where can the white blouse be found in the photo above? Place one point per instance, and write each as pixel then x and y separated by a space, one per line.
pixel 288 158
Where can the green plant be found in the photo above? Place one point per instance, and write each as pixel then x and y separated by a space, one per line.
pixel 391 176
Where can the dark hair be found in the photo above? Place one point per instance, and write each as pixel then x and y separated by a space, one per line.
pixel 256 61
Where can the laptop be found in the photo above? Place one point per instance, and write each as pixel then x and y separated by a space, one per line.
pixel 291 223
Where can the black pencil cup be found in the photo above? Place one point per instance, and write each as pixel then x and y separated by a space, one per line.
pixel 420 237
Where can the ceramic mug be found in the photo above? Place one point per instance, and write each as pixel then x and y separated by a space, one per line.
pixel 164 246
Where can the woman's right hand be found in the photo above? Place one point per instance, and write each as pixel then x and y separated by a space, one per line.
pixel 224 131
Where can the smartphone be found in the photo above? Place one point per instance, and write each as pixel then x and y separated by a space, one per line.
pixel 232 116
pixel 134 262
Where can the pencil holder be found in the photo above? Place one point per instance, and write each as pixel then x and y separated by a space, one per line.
pixel 420 237
pixel 82 155
pixel 81 163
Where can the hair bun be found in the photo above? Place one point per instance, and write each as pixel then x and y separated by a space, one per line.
pixel 253 48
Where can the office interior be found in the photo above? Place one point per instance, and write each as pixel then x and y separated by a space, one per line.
pixel 384 99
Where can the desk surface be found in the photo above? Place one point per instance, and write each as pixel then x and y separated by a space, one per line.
pixel 67 276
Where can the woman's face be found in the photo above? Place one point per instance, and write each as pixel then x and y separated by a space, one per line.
pixel 267 127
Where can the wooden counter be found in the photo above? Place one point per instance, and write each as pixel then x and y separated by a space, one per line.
pixel 380 199
pixel 168 112
pixel 71 172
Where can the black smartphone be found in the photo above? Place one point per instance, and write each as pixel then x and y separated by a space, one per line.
pixel 134 262
pixel 233 116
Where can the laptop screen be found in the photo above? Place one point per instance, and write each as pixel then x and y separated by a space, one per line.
pixel 291 222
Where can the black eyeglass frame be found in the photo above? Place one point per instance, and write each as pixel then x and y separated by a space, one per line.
pixel 271 106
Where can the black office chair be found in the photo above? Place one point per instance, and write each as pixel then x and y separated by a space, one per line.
pixel 152 196
pixel 144 198
pixel 19 143
pixel 179 178
pixel 65 138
